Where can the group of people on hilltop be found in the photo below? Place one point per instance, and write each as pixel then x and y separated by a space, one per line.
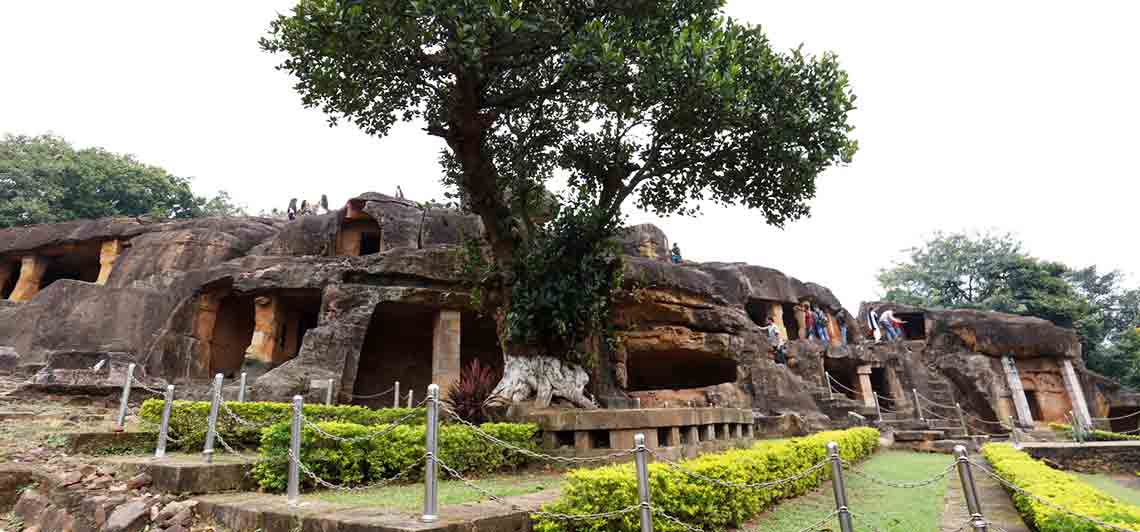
pixel 814 321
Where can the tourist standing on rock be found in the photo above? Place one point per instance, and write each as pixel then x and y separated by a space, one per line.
pixel 891 325
pixel 675 254
pixel 777 341
pixel 809 319
pixel 820 324
pixel 873 323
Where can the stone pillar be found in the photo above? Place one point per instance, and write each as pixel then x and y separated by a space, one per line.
pixel 896 391
pixel 801 321
pixel 108 253
pixel 866 391
pixel 205 317
pixel 268 325
pixel 1076 394
pixel 445 355
pixel 776 311
pixel 32 269
pixel 1013 378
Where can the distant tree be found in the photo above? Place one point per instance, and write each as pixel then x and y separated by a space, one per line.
pixel 663 101
pixel 992 272
pixel 44 179
pixel 222 205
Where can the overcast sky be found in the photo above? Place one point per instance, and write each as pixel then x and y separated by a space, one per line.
pixel 1015 116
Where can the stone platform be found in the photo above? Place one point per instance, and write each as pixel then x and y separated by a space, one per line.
pixel 188 473
pixel 270 513
pixel 1091 457
pixel 676 432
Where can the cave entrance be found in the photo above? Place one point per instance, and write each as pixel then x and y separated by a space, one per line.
pixel 479 341
pixel 299 311
pixel 790 322
pixel 881 385
pixel 359 234
pixel 227 333
pixel 914 325
pixel 79 262
pixel 1130 422
pixel 677 369
pixel 397 347
pixel 844 378
pixel 9 274
pixel 1034 405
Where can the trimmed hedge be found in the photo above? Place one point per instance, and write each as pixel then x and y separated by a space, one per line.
pixel 188 419
pixel 368 461
pixel 698 502
pixel 1095 434
pixel 1059 488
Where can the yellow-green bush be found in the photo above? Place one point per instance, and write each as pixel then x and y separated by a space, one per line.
pixel 699 502
pixel 1059 488
pixel 369 460
pixel 188 419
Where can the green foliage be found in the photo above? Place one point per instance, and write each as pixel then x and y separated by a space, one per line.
pixel 993 272
pixel 370 460
pixel 565 284
pixel 188 419
pixel 46 180
pixel 697 502
pixel 668 102
pixel 1059 488
pixel 1093 435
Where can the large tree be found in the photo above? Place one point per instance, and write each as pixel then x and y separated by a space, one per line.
pixel 993 272
pixel 663 101
pixel 44 179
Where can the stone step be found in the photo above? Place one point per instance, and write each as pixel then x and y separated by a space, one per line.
pixel 918 435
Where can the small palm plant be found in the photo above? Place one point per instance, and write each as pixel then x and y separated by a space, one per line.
pixel 470 394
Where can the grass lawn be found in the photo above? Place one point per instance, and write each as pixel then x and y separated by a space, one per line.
pixel 1112 487
pixel 880 507
pixel 410 496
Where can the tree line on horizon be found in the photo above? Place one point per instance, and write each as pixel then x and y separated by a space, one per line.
pixel 992 271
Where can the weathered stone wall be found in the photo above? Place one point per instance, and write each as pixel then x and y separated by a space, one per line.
pixel 1091 457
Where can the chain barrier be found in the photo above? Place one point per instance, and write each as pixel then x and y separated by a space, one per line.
pixel 218 437
pixel 529 453
pixel 840 384
pixel 1117 418
pixel 137 382
pixel 661 513
pixel 726 484
pixel 370 436
pixel 986 421
pixel 1010 485
pixel 374 395
pixel 903 485
pixel 245 422
pixel 340 487
pixel 935 403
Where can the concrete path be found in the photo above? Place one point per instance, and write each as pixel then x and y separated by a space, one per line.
pixel 997 506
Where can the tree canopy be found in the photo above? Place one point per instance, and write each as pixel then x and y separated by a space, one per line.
pixel 993 272
pixel 44 179
pixel 664 101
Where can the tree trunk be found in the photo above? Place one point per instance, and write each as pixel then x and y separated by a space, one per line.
pixel 528 373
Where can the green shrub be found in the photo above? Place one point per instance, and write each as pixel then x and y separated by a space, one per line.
pixel 188 419
pixel 370 460
pixel 698 502
pixel 1093 435
pixel 1060 489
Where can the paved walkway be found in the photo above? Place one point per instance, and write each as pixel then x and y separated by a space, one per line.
pixel 997 506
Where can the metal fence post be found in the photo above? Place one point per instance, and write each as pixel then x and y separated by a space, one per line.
pixel 241 388
pixel 641 460
pixel 396 395
pixel 967 477
pixel 878 409
pixel 431 468
pixel 164 429
pixel 410 398
pixel 1013 433
pixel 125 399
pixel 827 381
pixel 840 489
pixel 329 393
pixel 212 421
pixel 962 420
pixel 917 405
pixel 294 489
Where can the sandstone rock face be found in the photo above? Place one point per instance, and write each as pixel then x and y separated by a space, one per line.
pixel 180 302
